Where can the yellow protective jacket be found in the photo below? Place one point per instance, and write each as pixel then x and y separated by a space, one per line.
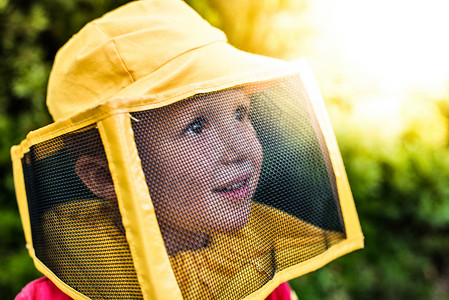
pixel 270 240
pixel 253 252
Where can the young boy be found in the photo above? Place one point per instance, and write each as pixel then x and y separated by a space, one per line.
pixel 175 168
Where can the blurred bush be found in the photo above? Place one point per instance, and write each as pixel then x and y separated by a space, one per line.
pixel 399 181
pixel 30 34
pixel 401 190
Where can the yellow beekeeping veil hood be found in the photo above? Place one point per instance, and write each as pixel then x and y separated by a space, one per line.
pixel 179 167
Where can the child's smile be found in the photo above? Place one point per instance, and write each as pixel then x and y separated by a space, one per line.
pixel 237 189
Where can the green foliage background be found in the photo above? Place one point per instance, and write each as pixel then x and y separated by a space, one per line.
pixel 401 186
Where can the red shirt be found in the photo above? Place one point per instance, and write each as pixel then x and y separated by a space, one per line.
pixel 43 289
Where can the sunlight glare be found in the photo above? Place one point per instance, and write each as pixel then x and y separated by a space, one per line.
pixel 399 44
pixel 387 51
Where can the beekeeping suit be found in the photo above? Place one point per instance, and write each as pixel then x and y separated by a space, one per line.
pixel 179 167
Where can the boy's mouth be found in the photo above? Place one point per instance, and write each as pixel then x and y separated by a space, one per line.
pixel 236 189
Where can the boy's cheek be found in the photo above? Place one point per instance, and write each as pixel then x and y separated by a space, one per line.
pixel 256 152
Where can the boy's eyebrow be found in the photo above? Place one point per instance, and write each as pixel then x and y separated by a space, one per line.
pixel 201 111
pixel 195 109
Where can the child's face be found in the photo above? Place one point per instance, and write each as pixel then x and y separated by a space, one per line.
pixel 203 163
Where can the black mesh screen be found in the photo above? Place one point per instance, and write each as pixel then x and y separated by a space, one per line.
pixel 296 161
pixel 242 186
pixel 76 225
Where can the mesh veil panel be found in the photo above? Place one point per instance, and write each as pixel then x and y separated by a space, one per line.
pixel 242 186
pixel 76 225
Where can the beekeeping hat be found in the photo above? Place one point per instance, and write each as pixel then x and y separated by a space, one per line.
pixel 179 167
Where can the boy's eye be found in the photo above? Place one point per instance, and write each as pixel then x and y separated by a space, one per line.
pixel 241 113
pixel 196 127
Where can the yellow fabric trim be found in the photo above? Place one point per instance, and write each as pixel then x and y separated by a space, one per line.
pixel 21 196
pixel 349 212
pixel 271 237
pixel 145 241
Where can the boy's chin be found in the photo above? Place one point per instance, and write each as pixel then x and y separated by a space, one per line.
pixel 232 222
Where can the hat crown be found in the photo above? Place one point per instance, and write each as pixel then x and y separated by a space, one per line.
pixel 120 48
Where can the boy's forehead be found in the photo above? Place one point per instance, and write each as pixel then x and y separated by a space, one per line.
pixel 216 101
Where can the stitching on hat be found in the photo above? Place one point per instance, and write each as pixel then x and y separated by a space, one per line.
pixel 187 51
pixel 123 63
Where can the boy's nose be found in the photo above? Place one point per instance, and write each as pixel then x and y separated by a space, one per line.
pixel 231 156
pixel 234 149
